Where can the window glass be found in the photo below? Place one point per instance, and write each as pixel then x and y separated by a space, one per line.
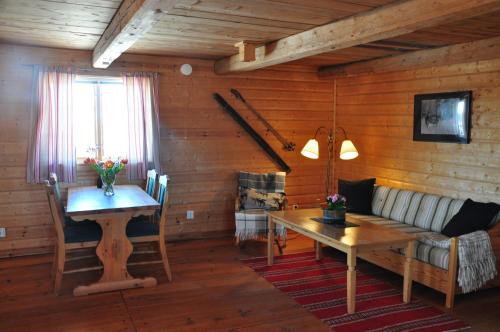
pixel 100 121
pixel 114 121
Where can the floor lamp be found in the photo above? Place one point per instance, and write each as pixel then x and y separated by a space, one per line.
pixel 347 151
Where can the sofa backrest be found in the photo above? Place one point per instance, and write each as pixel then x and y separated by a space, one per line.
pixel 426 211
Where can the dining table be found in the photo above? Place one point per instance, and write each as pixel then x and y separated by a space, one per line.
pixel 112 213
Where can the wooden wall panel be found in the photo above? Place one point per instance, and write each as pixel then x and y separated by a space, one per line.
pixel 377 112
pixel 202 148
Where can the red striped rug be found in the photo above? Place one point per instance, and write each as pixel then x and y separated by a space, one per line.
pixel 320 287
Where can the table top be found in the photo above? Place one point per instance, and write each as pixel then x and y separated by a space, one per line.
pixel 367 235
pixel 91 200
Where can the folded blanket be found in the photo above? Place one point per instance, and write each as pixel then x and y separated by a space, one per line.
pixel 476 259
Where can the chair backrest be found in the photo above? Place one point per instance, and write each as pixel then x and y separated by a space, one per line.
pixel 162 198
pixel 56 207
pixel 151 182
pixel 263 182
pixel 261 191
pixel 414 208
pixel 55 184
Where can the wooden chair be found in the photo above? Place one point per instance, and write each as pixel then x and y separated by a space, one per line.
pixel 151 182
pixel 258 192
pixel 142 229
pixel 70 234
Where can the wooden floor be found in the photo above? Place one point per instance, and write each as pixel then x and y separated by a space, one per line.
pixel 211 291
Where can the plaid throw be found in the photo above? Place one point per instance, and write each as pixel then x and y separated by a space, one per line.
pixel 476 259
pixel 252 224
pixel 264 183
pixel 259 192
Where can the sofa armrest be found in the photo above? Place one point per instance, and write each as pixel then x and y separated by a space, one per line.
pixel 452 273
pixel 494 231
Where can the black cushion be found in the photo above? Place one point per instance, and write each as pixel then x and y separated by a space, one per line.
pixel 82 231
pixel 142 226
pixel 358 194
pixel 472 216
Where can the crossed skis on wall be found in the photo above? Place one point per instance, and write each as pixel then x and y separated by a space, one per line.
pixel 287 145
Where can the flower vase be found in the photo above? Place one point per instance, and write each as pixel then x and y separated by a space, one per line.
pixel 334 215
pixel 108 182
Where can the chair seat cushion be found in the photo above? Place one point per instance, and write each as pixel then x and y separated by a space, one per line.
pixel 142 226
pixel 82 231
pixel 435 256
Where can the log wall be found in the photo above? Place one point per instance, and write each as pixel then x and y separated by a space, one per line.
pixel 202 148
pixel 377 112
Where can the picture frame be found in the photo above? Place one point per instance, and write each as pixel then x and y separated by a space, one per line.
pixel 442 117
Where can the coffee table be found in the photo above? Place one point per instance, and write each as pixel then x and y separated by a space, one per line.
pixel 351 240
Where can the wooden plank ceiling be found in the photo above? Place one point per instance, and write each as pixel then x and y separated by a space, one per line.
pixel 209 28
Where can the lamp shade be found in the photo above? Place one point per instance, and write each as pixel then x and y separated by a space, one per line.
pixel 348 150
pixel 311 149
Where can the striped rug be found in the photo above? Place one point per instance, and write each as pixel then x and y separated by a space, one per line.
pixel 320 287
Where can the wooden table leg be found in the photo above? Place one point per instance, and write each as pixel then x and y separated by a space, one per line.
pixel 407 273
pixel 319 250
pixel 351 281
pixel 113 250
pixel 270 240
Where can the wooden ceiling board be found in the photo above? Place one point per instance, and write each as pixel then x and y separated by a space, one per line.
pixel 210 28
pixel 476 28
pixel 55 23
pixel 223 23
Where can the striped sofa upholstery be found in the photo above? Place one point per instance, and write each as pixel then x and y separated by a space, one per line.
pixel 414 212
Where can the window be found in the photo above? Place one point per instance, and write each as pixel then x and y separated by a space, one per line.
pixel 100 118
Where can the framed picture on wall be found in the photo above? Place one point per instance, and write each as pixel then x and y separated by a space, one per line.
pixel 442 117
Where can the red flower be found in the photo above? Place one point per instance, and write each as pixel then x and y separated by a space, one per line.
pixel 124 161
pixel 109 164
pixel 89 161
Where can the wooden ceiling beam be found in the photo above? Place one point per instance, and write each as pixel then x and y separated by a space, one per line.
pixel 382 23
pixel 484 49
pixel 246 50
pixel 130 22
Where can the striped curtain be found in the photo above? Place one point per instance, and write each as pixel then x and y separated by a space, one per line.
pixel 142 100
pixel 51 145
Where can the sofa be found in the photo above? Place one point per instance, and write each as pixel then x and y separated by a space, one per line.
pixel 420 213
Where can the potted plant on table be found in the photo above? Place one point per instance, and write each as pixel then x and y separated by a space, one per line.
pixel 107 170
pixel 335 208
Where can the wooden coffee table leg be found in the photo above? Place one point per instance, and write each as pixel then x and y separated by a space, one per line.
pixel 351 280
pixel 113 250
pixel 270 240
pixel 407 273
pixel 319 250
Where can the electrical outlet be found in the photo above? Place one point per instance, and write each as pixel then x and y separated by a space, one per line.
pixel 190 214
pixel 3 232
pixel 295 206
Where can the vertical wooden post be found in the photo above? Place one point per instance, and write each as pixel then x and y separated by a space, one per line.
pixel 319 250
pixel 351 280
pixel 270 240
pixel 452 273
pixel 407 272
